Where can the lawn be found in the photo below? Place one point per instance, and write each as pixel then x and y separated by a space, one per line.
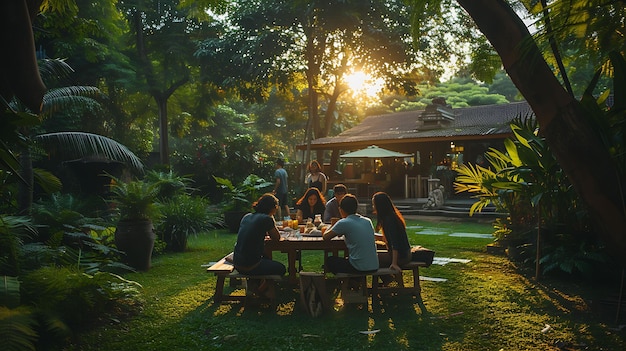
pixel 485 304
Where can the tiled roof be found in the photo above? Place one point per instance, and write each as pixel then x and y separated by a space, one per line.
pixel 470 122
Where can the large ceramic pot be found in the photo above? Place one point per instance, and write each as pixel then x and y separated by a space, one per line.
pixel 136 239
pixel 232 220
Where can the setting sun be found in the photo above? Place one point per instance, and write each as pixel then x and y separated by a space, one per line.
pixel 361 83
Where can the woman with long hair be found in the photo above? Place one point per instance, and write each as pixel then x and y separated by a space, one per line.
pixel 390 222
pixel 315 178
pixel 310 204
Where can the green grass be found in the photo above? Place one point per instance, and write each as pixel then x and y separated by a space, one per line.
pixel 484 305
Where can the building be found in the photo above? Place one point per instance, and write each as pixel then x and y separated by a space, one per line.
pixel 439 137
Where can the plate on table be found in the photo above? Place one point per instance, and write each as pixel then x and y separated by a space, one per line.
pixel 314 232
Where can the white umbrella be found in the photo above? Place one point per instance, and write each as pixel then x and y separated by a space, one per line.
pixel 374 151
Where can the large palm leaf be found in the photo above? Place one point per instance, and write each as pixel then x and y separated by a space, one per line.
pixel 72 145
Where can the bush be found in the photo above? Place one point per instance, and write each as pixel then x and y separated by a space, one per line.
pixel 76 297
pixel 185 215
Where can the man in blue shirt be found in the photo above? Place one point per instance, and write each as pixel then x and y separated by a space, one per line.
pixel 358 233
pixel 280 188
pixel 332 205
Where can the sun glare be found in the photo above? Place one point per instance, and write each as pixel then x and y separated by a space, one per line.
pixel 361 83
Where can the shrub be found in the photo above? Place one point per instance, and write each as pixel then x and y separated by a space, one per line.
pixel 185 215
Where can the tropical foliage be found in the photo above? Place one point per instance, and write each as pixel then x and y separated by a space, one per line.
pixel 239 197
pixel 183 216
pixel 51 288
pixel 527 182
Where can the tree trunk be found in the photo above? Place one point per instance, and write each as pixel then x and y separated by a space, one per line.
pixel 164 148
pixel 19 75
pixel 562 120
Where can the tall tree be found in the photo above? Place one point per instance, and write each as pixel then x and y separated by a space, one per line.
pixel 564 122
pixel 313 44
pixel 165 34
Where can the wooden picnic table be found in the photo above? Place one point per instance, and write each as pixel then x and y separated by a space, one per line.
pixel 293 245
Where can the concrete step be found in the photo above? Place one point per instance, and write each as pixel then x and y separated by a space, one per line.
pixel 456 208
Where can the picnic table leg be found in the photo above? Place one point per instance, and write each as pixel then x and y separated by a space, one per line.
pixel 374 291
pixel 291 260
pixel 219 289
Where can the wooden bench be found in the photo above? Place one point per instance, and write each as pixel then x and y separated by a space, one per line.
pixel 361 293
pixel 225 269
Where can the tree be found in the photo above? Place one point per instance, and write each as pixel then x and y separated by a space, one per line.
pixel 165 34
pixel 19 73
pixel 74 144
pixel 563 120
pixel 312 45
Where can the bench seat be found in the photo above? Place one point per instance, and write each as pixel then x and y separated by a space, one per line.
pixel 359 295
pixel 225 269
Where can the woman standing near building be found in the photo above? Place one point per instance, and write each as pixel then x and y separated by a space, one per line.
pixel 316 178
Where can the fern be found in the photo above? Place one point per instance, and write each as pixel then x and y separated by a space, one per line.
pixel 17 329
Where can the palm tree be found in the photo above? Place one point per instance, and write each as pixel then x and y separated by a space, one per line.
pixel 69 145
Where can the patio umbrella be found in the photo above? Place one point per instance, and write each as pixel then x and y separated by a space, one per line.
pixel 374 151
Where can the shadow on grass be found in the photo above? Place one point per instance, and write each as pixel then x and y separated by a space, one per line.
pixel 396 323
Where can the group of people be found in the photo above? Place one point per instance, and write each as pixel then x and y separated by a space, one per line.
pixel 312 202
pixel 357 230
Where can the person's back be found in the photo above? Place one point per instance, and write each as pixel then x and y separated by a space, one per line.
pixel 358 233
pixel 248 256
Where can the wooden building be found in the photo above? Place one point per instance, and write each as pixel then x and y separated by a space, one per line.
pixel 439 137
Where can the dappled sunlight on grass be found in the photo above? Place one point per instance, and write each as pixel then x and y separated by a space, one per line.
pixel 485 304
pixel 285 309
pixel 223 309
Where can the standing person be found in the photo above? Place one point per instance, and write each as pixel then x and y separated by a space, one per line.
pixel 315 178
pixel 332 206
pixel 248 255
pixel 358 233
pixel 389 220
pixel 310 204
pixel 281 189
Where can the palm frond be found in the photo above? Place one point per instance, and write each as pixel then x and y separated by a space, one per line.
pixel 59 99
pixel 81 144
pixel 54 69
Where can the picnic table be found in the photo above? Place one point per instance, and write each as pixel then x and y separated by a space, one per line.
pixel 292 245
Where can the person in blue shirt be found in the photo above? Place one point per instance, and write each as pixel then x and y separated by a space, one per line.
pixel 281 189
pixel 332 205
pixel 358 233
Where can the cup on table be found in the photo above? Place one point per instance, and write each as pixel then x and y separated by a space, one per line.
pixel 334 220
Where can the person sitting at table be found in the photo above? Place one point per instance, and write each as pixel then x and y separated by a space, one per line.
pixel 358 233
pixel 310 204
pixel 332 206
pixel 248 255
pixel 390 222
pixel 315 178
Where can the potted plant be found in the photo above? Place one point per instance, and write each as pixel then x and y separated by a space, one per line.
pixel 238 198
pixel 138 208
